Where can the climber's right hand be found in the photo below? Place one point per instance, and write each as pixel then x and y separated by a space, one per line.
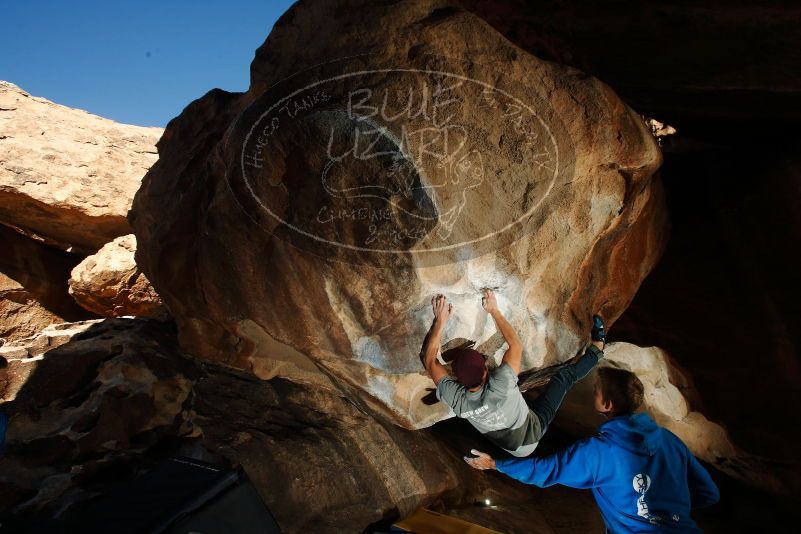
pixel 488 300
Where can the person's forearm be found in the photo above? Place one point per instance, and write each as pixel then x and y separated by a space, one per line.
pixel 432 343
pixel 522 469
pixel 506 329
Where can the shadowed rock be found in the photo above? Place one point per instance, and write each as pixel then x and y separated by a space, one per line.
pixel 83 398
pixel 33 286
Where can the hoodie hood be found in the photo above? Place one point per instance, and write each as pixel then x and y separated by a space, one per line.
pixel 636 433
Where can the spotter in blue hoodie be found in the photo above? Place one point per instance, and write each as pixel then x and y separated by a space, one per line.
pixel 643 477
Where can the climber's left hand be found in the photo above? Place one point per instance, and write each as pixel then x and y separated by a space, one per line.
pixel 442 309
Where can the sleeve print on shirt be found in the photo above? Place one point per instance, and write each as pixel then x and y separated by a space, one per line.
pixel 448 392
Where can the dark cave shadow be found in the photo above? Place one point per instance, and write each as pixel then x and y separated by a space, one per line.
pixel 50 293
pixel 65 378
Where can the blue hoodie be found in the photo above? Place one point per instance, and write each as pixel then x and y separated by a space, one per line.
pixel 643 477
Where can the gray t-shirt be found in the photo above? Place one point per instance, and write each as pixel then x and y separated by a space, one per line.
pixel 497 410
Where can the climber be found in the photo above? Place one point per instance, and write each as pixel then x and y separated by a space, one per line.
pixel 643 478
pixel 491 401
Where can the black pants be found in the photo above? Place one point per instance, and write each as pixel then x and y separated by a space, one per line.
pixel 546 405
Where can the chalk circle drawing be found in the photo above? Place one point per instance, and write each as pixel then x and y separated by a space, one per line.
pixel 388 161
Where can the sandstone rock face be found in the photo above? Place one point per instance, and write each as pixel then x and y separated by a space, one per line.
pixel 323 212
pixel 110 284
pixel 21 315
pixel 33 286
pixel 67 177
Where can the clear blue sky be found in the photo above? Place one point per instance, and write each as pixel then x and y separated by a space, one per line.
pixel 137 62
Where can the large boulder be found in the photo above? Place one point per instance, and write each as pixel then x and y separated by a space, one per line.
pixel 322 209
pixel 67 177
pixel 110 284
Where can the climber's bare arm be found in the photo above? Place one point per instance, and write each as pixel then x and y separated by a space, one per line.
pixel 514 354
pixel 429 353
pixel 433 340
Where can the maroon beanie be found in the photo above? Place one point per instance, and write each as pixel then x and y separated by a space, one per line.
pixel 469 365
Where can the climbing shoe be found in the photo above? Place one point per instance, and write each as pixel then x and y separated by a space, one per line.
pixel 598 333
